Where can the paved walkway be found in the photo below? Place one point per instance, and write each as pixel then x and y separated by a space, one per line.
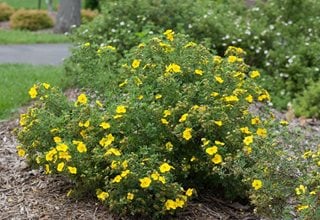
pixel 36 54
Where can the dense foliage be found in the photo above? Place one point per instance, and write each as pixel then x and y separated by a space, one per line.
pixel 177 121
pixel 281 37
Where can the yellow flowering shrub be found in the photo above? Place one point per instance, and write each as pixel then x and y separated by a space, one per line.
pixel 180 123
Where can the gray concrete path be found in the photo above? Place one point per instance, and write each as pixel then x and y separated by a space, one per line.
pixel 36 54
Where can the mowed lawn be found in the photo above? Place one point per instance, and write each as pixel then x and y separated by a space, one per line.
pixel 16 80
pixel 29 4
pixel 28 37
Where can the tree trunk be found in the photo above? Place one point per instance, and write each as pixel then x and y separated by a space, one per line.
pixel 68 15
pixel 49 4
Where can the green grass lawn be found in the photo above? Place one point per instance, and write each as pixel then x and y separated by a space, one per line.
pixel 16 80
pixel 28 37
pixel 29 4
pixel 32 4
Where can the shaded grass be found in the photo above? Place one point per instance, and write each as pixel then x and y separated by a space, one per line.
pixel 16 80
pixel 28 37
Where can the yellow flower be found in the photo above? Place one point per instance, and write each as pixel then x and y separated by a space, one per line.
pixel 117 116
pixel 87 44
pixel 33 92
pixel 135 64
pixel 302 207
pixel 262 132
pixel 231 98
pixel 158 96
pixel 51 154
pixel 198 72
pixel 183 117
pixel 99 103
pixel 72 170
pixel 256 184
pixel 57 139
pixel 60 166
pixel 130 196
pixel 107 140
pixel 162 179
pixel 173 68
pixel 164 121
pixel 169 34
pixel 64 155
pixel 180 203
pixel 254 74
pixel 82 99
pixel 219 143
pixel 46 85
pixel 117 179
pixel 140 97
pixel 205 142
pixel 169 146
pixel 105 125
pixel 249 98
pixel 165 167
pixel 217 159
pixel 255 121
pixel 123 83
pixel 21 151
pixel 219 79
pixel 23 119
pixel 217 59
pixel 124 164
pixel 247 149
pixel 212 150
pixel 189 192
pixel 170 204
pixel 47 169
pixel 284 122
pixel 121 109
pixel 300 190
pixel 138 81
pixel 187 134
pixel 62 147
pixel 248 140
pixel 155 176
pixel 113 151
pixel 214 94
pixel 124 173
pixel 81 147
pixel 145 182
pixel 166 113
pixel 232 59
pixel 101 195
pixel 219 123
pixel 38 160
pixel 190 44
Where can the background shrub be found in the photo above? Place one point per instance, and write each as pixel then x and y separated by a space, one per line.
pixel 30 20
pixel 88 15
pixel 308 103
pixel 92 4
pixel 5 11
pixel 279 39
